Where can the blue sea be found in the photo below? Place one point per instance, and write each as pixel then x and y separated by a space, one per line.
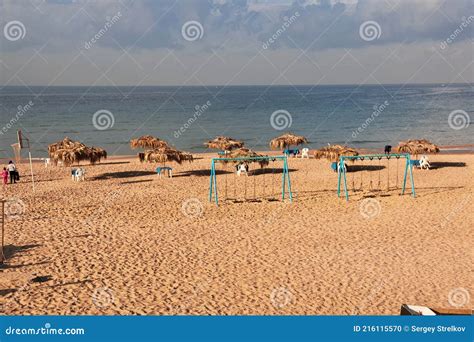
pixel 367 116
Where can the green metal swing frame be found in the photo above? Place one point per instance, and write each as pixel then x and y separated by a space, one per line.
pixel 285 178
pixel 341 170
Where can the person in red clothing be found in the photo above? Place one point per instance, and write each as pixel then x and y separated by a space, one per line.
pixel 5 175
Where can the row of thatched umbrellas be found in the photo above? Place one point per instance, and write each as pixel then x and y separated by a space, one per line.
pixel 71 152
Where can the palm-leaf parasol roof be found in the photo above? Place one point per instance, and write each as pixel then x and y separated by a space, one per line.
pixel 333 152
pixel 147 141
pixel 71 152
pixel 417 146
pixel 167 154
pixel 246 153
pixel 74 155
pixel 224 143
pixel 66 143
pixel 287 140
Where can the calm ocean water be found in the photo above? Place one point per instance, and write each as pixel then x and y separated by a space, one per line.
pixel 361 116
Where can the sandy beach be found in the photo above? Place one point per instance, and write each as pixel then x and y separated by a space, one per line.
pixel 127 242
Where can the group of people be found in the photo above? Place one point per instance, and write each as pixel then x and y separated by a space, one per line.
pixel 10 171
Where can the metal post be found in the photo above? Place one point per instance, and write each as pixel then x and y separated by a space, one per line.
pixel 215 186
pixel 2 256
pixel 412 183
pixel 31 169
pixel 339 177
pixel 283 180
pixel 288 180
pixel 210 181
pixel 407 165
pixel 345 180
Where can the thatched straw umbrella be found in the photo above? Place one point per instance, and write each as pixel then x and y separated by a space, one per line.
pixel 70 156
pixel 246 153
pixel 71 152
pixel 96 154
pixel 148 141
pixel 333 152
pixel 66 143
pixel 224 143
pixel 286 140
pixel 165 154
pixel 417 146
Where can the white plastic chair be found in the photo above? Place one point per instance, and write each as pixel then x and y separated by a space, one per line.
pixel 242 168
pixel 424 163
pixel 78 174
pixel 305 153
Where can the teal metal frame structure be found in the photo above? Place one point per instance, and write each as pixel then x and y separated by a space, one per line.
pixel 285 178
pixel 341 171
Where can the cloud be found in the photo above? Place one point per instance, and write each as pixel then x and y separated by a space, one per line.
pixel 130 42
pixel 147 24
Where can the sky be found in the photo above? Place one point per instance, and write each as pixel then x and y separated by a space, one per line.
pixel 235 42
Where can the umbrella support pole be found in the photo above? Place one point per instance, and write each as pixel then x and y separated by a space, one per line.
pixel 341 174
pixel 2 254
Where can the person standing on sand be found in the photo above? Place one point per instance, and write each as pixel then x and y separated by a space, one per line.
pixel 12 172
pixel 5 176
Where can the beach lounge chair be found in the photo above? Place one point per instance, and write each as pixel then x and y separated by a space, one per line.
pixel 424 163
pixel 47 161
pixel 414 162
pixel 293 152
pixel 305 153
pixel 78 174
pixel 242 168
pixel 161 169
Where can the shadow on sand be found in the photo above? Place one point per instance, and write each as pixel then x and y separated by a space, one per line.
pixel 440 165
pixel 123 174
pixel 11 250
pixel 355 168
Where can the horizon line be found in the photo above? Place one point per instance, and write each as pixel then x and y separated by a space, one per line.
pixel 243 85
